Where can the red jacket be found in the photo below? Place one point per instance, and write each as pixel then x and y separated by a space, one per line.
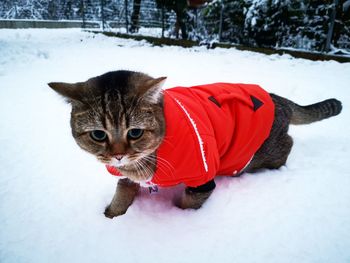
pixel 211 130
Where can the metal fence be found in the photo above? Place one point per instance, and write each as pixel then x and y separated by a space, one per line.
pixel 112 15
pixel 137 16
pixel 317 26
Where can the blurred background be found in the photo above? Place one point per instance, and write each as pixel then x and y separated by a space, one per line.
pixel 309 25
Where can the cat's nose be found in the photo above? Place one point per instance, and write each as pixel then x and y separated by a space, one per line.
pixel 119 156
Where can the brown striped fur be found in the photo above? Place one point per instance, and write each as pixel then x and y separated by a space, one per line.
pixel 118 101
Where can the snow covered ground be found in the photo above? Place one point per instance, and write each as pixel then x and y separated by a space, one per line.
pixel 52 194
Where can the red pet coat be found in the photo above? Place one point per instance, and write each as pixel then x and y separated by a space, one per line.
pixel 211 130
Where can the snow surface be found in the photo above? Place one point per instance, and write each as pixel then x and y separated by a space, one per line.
pixel 52 194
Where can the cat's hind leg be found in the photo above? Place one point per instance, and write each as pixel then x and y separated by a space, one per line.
pixel 194 197
pixel 272 157
pixel 275 150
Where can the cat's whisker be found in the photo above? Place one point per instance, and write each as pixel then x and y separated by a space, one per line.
pixel 145 170
pixel 153 163
pixel 137 167
pixel 149 172
pixel 103 159
pixel 167 165
pixel 162 161
pixel 139 170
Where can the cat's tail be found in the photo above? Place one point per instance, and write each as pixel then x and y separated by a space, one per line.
pixel 314 112
pixel 311 113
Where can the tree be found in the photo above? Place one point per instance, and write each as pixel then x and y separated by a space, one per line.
pixel 316 22
pixel 52 10
pixel 266 21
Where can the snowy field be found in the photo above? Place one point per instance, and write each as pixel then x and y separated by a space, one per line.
pixel 52 194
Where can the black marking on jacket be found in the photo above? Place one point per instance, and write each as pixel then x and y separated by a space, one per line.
pixel 212 99
pixel 256 102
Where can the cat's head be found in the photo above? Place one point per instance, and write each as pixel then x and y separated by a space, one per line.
pixel 118 116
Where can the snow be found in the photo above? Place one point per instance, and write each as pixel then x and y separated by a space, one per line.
pixel 144 31
pixel 52 194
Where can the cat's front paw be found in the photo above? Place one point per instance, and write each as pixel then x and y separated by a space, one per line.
pixel 110 213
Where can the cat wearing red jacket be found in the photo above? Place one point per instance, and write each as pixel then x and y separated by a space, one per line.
pixel 183 135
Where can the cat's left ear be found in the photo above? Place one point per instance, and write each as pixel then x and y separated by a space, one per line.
pixel 154 89
pixel 71 92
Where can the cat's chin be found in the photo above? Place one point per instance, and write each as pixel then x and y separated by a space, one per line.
pixel 119 163
pixel 126 163
pixel 113 163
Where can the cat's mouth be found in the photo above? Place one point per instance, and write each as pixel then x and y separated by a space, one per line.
pixel 138 161
pixel 115 161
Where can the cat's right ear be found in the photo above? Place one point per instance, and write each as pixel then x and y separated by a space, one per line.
pixel 153 89
pixel 71 92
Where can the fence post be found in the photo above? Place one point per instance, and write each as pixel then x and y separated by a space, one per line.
pixel 196 22
pixel 103 14
pixel 221 20
pixel 331 26
pixel 163 19
pixel 126 16
pixel 16 11
pixel 135 16
pixel 82 8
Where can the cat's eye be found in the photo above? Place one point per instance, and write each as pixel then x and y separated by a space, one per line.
pixel 134 134
pixel 98 135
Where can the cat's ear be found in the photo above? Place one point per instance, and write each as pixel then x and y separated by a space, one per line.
pixel 71 92
pixel 154 89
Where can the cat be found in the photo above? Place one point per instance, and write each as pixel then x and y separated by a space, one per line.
pixel 141 132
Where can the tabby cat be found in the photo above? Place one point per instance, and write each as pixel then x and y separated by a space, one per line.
pixel 122 117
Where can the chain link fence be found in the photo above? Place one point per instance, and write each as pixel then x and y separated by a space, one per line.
pixel 316 25
pixel 126 16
